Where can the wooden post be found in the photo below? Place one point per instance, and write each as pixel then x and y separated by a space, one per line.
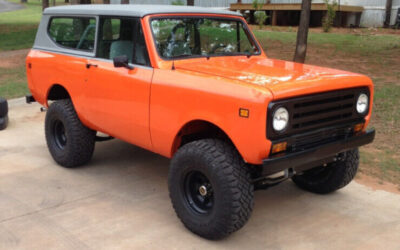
pixel 124 1
pixel 252 17
pixel 274 18
pixel 358 19
pixel 389 4
pixel 190 2
pixel 106 1
pixel 302 33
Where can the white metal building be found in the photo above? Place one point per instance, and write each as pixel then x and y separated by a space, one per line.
pixel 372 16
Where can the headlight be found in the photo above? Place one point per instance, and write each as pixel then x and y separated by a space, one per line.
pixel 280 119
pixel 362 103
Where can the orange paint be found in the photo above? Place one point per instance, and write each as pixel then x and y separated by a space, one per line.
pixel 147 106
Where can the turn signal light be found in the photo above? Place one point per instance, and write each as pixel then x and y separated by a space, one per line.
pixel 279 147
pixel 358 127
pixel 244 113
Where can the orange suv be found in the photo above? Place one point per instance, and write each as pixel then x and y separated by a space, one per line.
pixel 194 85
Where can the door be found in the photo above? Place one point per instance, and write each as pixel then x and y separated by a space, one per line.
pixel 117 99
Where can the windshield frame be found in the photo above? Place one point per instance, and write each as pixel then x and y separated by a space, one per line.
pixel 246 29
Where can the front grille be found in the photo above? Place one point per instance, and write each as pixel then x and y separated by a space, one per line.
pixel 313 112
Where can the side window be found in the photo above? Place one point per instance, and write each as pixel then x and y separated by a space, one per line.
pixel 73 32
pixel 119 37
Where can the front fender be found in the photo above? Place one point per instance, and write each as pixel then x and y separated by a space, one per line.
pixel 178 97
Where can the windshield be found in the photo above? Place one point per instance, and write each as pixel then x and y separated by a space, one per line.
pixel 198 36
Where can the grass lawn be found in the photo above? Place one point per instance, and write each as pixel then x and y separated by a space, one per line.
pixel 374 53
pixel 18 28
pixel 13 82
pixel 17 31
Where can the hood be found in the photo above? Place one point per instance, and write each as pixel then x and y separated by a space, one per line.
pixel 282 78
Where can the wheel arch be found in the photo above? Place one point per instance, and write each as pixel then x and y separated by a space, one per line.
pixel 57 92
pixel 196 130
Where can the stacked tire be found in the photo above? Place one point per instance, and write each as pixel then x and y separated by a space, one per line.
pixel 3 113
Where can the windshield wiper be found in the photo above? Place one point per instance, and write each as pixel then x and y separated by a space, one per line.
pixel 182 56
pixel 248 54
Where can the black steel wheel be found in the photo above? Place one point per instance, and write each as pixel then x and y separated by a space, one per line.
pixel 59 134
pixel 70 143
pixel 199 192
pixel 210 188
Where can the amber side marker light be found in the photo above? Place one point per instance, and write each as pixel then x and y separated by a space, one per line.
pixel 279 147
pixel 244 113
pixel 358 127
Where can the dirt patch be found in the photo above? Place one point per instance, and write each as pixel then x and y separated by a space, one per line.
pixel 376 184
pixel 12 59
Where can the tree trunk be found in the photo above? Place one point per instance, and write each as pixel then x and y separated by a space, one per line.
pixel 66 1
pixel 106 1
pixel 24 1
pixel 53 2
pixel 302 33
pixel 124 1
pixel 45 4
pixel 389 4
pixel 190 2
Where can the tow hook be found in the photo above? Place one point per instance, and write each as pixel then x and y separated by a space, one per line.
pixel 272 180
pixel 43 109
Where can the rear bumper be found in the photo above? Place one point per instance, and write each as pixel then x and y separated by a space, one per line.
pixel 301 161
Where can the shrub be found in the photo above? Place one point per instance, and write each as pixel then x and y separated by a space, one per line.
pixel 178 2
pixel 259 14
pixel 260 18
pixel 327 21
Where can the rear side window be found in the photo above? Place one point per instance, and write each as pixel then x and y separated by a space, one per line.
pixel 73 32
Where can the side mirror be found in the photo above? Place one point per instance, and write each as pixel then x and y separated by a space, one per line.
pixel 122 62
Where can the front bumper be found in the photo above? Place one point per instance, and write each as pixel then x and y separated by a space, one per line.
pixel 310 158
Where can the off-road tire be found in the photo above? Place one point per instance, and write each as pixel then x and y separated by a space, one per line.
pixel 231 185
pixel 3 122
pixel 336 175
pixel 3 107
pixel 80 140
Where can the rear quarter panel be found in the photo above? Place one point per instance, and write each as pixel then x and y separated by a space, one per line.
pixel 50 68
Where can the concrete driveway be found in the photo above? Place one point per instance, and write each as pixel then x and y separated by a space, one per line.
pixel 7 6
pixel 120 201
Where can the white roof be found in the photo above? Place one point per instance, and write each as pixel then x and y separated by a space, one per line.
pixel 137 10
